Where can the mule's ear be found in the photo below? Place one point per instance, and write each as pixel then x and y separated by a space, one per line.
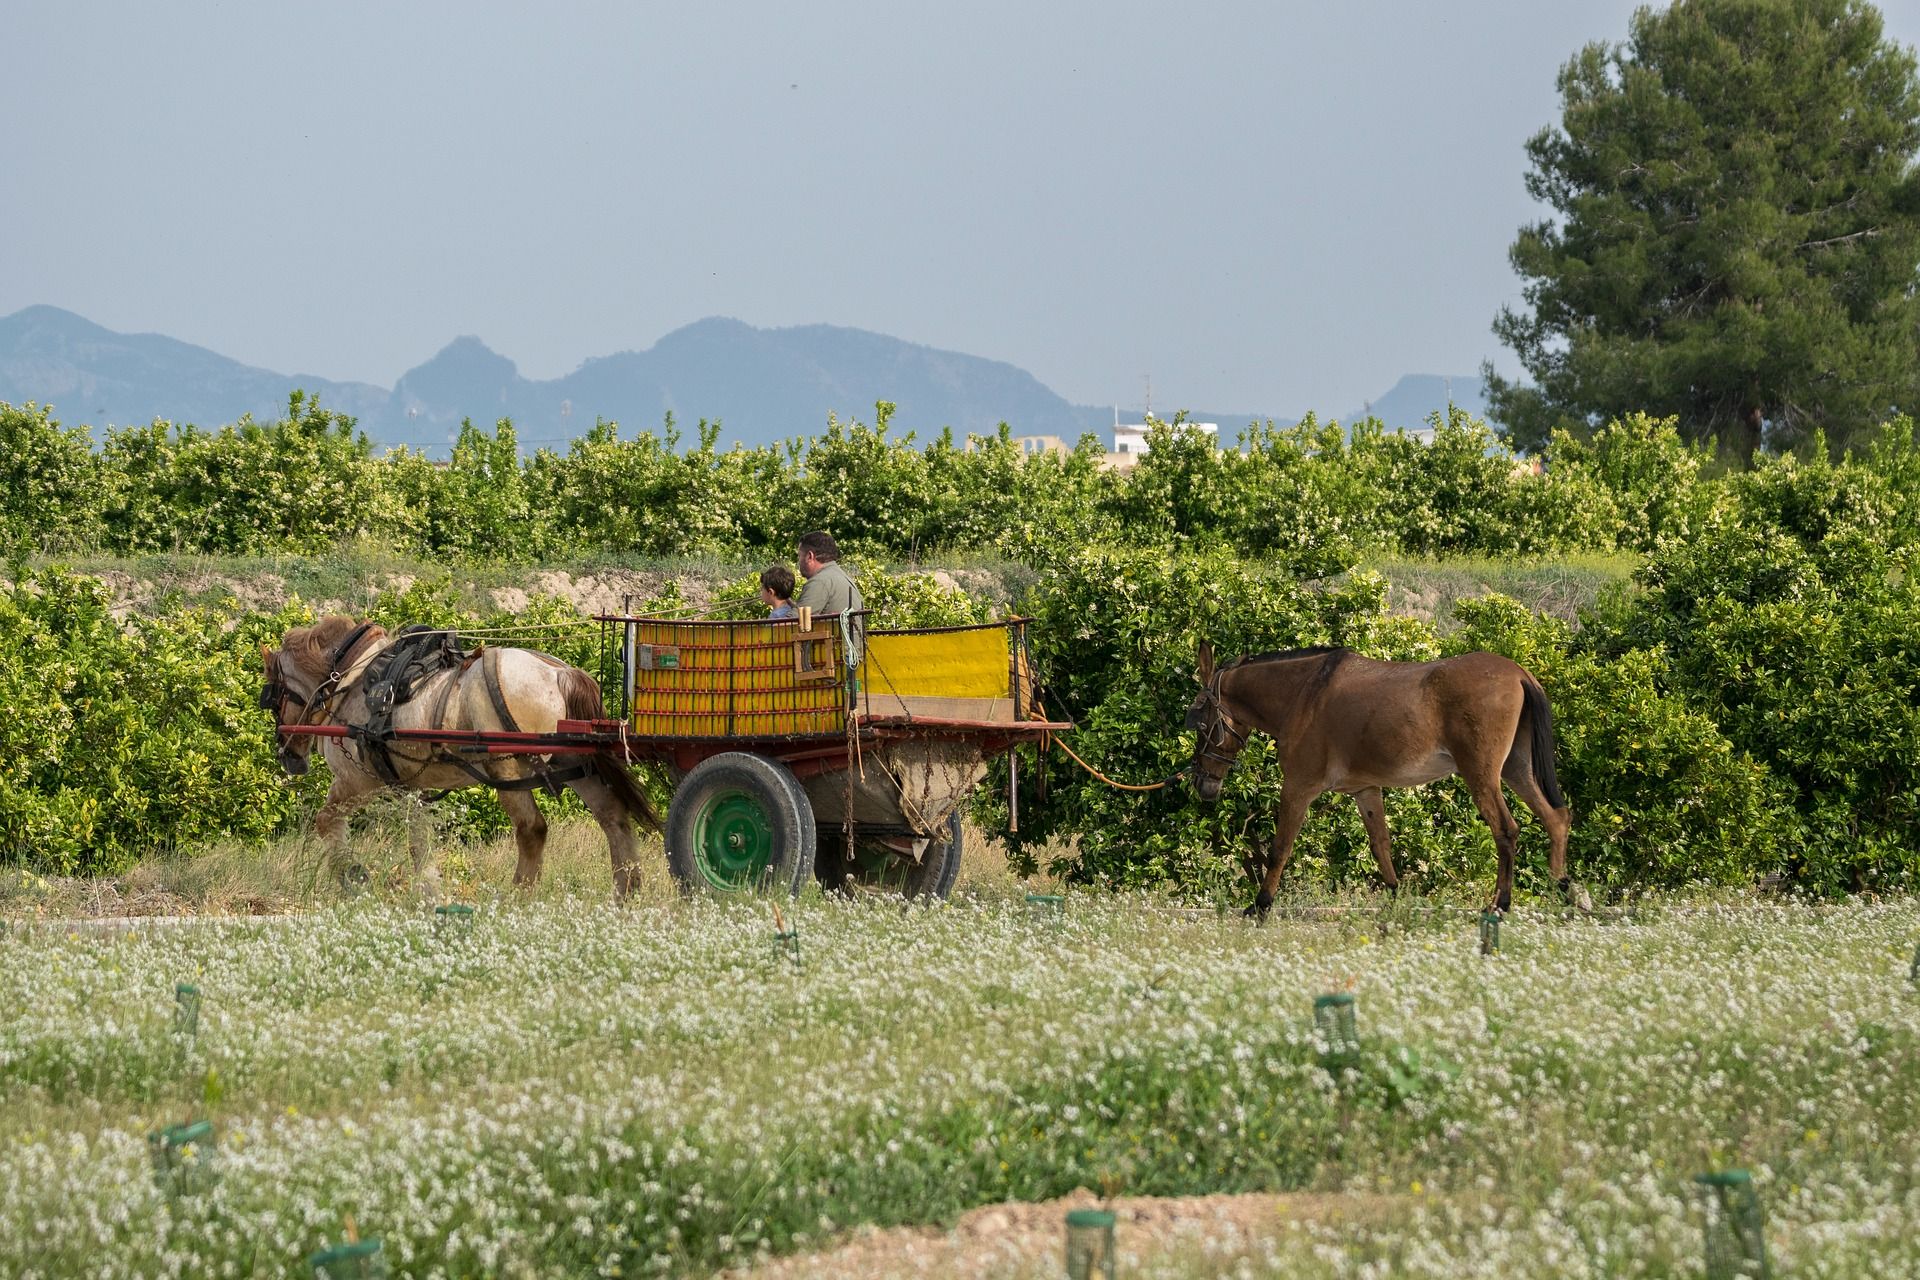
pixel 1205 673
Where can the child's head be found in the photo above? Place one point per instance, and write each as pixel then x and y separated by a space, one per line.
pixel 776 585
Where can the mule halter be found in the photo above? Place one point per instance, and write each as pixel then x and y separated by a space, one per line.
pixel 1207 751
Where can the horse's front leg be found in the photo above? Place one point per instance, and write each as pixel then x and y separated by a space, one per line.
pixel 1294 802
pixel 345 797
pixel 529 835
pixel 426 867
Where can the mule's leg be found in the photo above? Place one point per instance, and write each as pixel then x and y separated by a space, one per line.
pixel 345 797
pixel 529 835
pixel 1558 822
pixel 611 813
pixel 1506 836
pixel 1373 812
pixel 1294 802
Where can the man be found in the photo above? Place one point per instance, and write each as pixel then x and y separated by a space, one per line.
pixel 829 589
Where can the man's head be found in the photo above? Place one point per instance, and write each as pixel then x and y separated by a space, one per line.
pixel 776 584
pixel 816 549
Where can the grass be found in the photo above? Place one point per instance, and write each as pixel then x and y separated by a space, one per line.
pixel 1560 586
pixel 352 576
pixel 577 1088
pixel 286 875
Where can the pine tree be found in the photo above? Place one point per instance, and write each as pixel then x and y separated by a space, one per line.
pixel 1738 230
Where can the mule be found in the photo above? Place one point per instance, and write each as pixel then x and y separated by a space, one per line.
pixel 1354 724
pixel 318 676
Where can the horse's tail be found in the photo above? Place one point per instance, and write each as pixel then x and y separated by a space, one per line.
pixel 614 772
pixel 582 694
pixel 1542 717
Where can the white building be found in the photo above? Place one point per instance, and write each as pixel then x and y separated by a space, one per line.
pixel 1130 439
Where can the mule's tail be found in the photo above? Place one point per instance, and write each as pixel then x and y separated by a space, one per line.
pixel 582 694
pixel 1542 717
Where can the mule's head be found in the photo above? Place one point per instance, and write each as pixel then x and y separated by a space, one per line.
pixel 1217 739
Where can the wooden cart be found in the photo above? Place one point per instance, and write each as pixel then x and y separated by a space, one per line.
pixel 816 749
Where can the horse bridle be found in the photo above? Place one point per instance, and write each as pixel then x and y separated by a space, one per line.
pixel 314 710
pixel 1210 696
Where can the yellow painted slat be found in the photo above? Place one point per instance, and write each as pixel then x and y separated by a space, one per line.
pixel 945 664
pixel 727 679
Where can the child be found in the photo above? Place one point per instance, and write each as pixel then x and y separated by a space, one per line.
pixel 776 591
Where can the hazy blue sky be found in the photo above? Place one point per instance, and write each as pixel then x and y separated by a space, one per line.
pixel 1267 206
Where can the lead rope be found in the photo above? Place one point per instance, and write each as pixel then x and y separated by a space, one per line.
pixel 1048 740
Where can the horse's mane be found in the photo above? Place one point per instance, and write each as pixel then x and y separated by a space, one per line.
pixel 312 648
pixel 1332 654
pixel 1281 655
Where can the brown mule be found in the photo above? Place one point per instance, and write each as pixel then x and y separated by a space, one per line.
pixel 316 677
pixel 1353 724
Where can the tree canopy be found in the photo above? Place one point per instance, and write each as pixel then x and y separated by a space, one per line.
pixel 1737 240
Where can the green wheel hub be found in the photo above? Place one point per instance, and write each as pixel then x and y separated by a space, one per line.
pixel 733 841
pixel 879 867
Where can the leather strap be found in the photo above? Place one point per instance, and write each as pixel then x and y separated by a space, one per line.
pixel 490 671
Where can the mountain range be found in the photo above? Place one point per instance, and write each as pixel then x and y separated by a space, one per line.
pixel 762 385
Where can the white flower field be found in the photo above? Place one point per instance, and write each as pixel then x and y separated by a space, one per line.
pixel 570 1088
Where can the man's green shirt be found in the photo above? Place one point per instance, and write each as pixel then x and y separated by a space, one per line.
pixel 832 590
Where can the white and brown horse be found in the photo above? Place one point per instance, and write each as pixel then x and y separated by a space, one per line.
pixel 317 677
pixel 1347 723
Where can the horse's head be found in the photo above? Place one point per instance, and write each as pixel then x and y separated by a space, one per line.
pixel 302 677
pixel 1217 739
pixel 286 694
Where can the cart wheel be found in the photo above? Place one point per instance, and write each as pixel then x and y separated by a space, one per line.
pixel 956 845
pixel 879 868
pixel 740 821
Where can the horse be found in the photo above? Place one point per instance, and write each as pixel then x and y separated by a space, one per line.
pixel 320 676
pixel 1348 723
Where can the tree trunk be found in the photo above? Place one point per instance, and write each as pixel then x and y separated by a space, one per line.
pixel 1747 434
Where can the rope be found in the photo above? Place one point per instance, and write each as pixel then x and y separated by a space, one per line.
pixel 1122 786
pixel 509 631
pixel 683 613
pixel 1050 740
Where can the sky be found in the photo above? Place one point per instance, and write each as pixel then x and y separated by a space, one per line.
pixel 1264 206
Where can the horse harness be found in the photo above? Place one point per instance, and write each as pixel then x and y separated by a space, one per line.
pixel 340 673
pixel 394 677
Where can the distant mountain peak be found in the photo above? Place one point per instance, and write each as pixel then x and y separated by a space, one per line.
pixel 44 313
pixel 764 385
pixel 464 357
pixel 710 326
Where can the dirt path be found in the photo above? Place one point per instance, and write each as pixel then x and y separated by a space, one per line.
pixel 1005 1241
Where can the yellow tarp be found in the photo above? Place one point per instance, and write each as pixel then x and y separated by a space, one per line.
pixel 939 664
